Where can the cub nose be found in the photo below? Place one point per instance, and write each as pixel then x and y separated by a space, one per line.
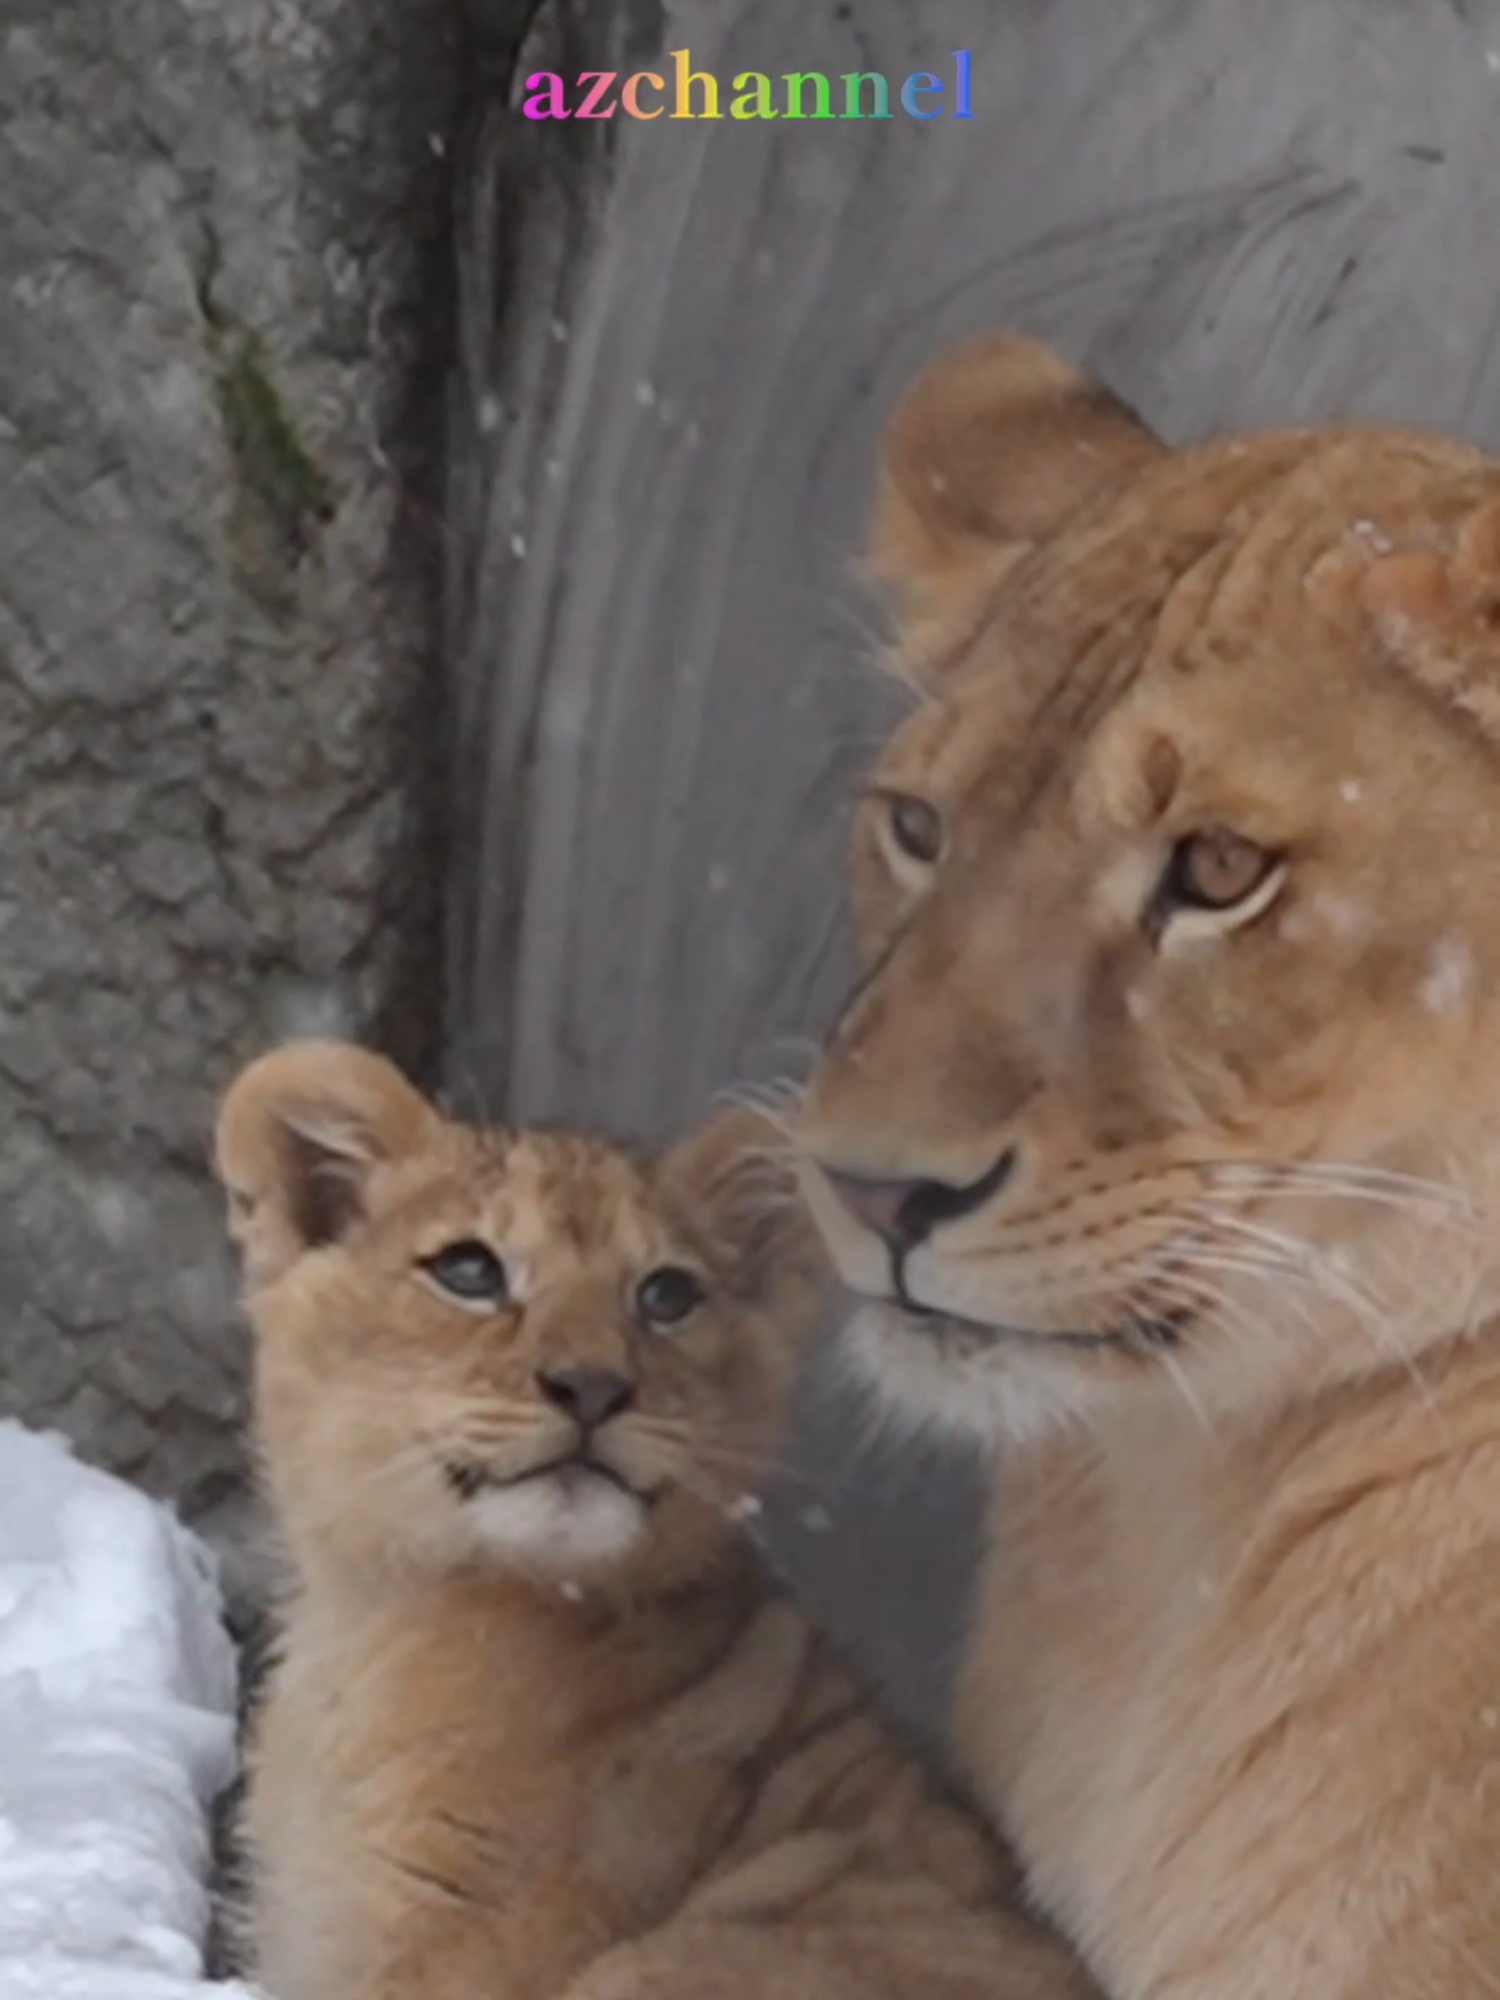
pixel 904 1213
pixel 590 1396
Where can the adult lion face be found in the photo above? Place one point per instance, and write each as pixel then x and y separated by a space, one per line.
pixel 1176 1062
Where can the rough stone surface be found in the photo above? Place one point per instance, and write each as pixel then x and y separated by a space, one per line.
pixel 217 226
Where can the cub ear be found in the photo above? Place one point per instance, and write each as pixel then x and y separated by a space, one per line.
pixel 993 446
pixel 733 1177
pixel 298 1134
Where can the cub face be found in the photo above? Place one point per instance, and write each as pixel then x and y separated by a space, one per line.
pixel 527 1350
pixel 1176 1064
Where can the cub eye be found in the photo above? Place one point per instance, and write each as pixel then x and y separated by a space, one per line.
pixel 469 1271
pixel 916 827
pixel 1217 869
pixel 666 1296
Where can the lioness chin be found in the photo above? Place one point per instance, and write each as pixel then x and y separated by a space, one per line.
pixel 1162 1135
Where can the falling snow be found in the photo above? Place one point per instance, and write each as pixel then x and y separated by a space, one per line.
pixel 1449 975
pixel 1372 537
pixel 746 1508
pixel 121 1214
pixel 1342 915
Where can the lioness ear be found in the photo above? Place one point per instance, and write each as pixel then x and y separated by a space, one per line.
pixel 734 1177
pixel 298 1133
pixel 1434 612
pixel 995 444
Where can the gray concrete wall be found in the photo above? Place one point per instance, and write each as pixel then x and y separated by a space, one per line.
pixel 215 314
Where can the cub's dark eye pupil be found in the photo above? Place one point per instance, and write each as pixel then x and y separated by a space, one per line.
pixel 469 1270
pixel 668 1295
pixel 917 829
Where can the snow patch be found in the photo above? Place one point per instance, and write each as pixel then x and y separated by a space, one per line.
pixel 117 1685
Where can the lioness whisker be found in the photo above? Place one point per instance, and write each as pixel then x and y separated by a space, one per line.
pixel 1345 1176
pixel 1372 1316
pixel 1177 1375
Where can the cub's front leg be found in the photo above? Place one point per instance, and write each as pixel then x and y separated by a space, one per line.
pixel 814 1918
pixel 462 1881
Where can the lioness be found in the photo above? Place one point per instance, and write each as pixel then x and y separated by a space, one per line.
pixel 1163 1135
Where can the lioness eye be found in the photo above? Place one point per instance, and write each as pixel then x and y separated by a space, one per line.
pixel 1214 869
pixel 666 1296
pixel 916 827
pixel 470 1271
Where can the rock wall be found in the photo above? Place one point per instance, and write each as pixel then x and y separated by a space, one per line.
pixel 222 240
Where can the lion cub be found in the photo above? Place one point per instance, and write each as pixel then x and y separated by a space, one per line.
pixel 534 1688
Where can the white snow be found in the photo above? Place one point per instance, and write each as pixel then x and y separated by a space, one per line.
pixel 1448 977
pixel 116 1730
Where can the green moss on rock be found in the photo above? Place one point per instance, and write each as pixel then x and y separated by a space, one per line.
pixel 281 495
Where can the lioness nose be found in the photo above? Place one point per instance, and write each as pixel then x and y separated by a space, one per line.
pixel 590 1396
pixel 904 1213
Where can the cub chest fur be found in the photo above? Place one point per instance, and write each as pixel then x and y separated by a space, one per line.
pixel 562 1772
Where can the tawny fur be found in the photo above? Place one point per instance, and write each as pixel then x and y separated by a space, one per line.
pixel 514 1727
pixel 1229 1309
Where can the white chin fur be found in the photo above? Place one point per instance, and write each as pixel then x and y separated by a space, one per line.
pixel 991 1395
pixel 556 1526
